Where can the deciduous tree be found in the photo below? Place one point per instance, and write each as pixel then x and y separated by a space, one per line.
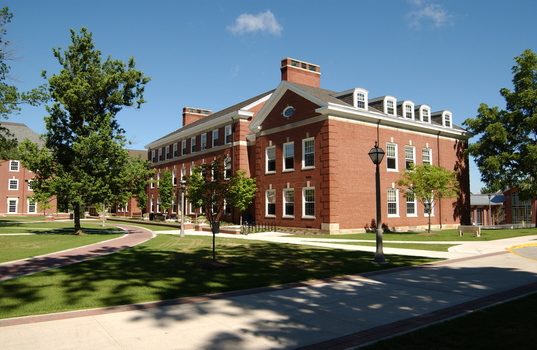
pixel 85 161
pixel 427 184
pixel 165 191
pixel 506 149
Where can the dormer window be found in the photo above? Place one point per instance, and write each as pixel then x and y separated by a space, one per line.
pixel 447 119
pixel 360 98
pixel 389 106
pixel 406 109
pixel 423 113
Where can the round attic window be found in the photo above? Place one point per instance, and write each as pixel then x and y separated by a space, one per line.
pixel 288 111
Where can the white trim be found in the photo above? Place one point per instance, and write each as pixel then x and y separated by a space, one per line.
pixel 304 153
pixel 304 189
pixel 284 158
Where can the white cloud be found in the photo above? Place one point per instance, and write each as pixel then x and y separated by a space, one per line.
pixel 425 12
pixel 264 22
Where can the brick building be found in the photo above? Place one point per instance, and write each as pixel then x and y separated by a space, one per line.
pixel 308 149
pixel 15 180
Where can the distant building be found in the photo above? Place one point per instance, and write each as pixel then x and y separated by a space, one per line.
pixel 308 149
pixel 502 208
pixel 16 181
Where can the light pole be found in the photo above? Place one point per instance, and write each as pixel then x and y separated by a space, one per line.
pixel 182 187
pixel 376 154
pixel 490 213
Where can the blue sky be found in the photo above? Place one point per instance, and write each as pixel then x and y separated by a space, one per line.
pixel 212 54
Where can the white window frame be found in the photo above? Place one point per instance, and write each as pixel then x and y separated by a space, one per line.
pixel 270 199
pixel 390 103
pixel 304 148
pixel 175 150
pixel 193 144
pixel 447 120
pixel 151 205
pixel 14 164
pixel 285 156
pixel 304 202
pixel 153 156
pixel 215 138
pixel 227 168
pixel 167 152
pixel 203 141
pixel 285 202
pixel 425 114
pixel 390 156
pixel 31 205
pixel 271 160
pixel 152 182
pixel 160 154
pixel 360 98
pixel 228 134
pixel 174 176
pixel 410 155
pixel 393 199
pixel 9 200
pixel 411 201
pixel 30 185
pixel 13 183
pixel 429 152
pixel 183 148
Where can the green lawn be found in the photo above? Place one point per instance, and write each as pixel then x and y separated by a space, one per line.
pixel 507 326
pixel 162 268
pixel 445 235
pixel 15 226
pixel 433 247
pixel 15 247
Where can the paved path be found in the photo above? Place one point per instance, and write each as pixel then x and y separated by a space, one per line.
pixel 337 313
pixel 135 235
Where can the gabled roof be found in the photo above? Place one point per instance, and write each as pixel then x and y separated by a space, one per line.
pixel 326 100
pixel 21 131
pixel 212 118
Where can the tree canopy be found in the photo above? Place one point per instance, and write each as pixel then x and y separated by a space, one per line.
pixel 506 149
pixel 208 188
pixel 165 190
pixel 85 161
pixel 427 184
pixel 11 98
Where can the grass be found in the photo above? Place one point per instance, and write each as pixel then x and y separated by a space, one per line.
pixel 22 247
pixel 445 235
pixel 507 326
pixel 13 227
pixel 162 268
pixel 440 247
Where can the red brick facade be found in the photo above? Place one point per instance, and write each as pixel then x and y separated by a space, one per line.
pixel 308 150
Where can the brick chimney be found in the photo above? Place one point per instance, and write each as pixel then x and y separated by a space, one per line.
pixel 192 114
pixel 301 72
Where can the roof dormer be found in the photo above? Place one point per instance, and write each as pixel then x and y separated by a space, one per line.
pixel 357 97
pixel 444 118
pixel 406 109
pixel 423 113
pixel 387 104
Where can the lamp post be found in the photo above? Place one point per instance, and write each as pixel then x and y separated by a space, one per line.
pixel 182 187
pixel 490 213
pixel 376 154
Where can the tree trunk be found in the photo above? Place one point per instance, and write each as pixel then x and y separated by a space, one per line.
pixel 429 225
pixel 78 227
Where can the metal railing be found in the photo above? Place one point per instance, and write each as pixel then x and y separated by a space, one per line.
pixel 255 227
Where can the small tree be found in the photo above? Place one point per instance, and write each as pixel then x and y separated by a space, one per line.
pixel 208 186
pixel 428 184
pixel 165 191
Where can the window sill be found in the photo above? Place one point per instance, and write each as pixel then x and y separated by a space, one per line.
pixel 308 217
pixel 308 167
pixel 411 215
pixel 270 172
pixel 288 217
pixel 288 170
pixel 270 216
pixel 393 216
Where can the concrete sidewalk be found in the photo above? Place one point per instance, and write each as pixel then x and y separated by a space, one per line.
pixel 331 314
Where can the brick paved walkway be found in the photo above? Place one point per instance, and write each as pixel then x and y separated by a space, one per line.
pixel 134 236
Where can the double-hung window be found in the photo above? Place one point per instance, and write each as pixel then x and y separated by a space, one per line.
pixel 393 203
pixel 426 156
pixel 270 155
pixel 391 156
pixel 14 165
pixel 360 100
pixel 215 138
pixel 227 132
pixel 289 202
pixel 175 150
pixel 193 144
pixel 203 141
pixel 308 200
pixel 183 147
pixel 271 202
pixel 390 107
pixel 160 154
pixel 167 152
pixel 13 184
pixel 409 156
pixel 447 120
pixel 308 153
pixel 12 205
pixel 288 156
pixel 227 167
pixel 32 207
pixel 410 204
